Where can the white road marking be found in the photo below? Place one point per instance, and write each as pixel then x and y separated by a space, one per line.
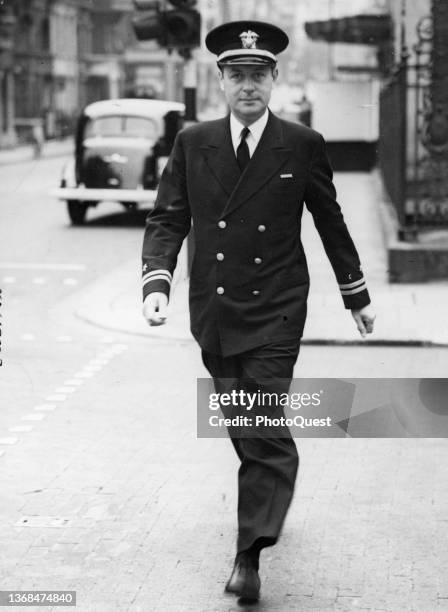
pixel 18 428
pixel 65 390
pixel 9 280
pixel 95 365
pixel 39 280
pixel 9 441
pixel 84 374
pixel 99 362
pixel 46 407
pixel 42 266
pixel 70 281
pixel 28 337
pixel 93 368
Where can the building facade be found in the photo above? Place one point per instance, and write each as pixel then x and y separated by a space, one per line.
pixel 7 23
pixel 55 57
pixel 67 53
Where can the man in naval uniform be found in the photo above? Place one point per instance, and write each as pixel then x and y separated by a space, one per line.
pixel 242 181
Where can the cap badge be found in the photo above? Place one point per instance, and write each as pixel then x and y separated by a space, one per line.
pixel 249 39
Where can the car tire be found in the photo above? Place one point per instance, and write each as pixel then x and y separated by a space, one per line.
pixel 77 211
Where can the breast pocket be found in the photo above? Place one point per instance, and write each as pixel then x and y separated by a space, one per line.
pixel 287 187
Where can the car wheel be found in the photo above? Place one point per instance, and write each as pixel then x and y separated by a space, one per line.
pixel 77 211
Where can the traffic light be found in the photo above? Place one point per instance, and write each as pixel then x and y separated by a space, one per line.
pixel 360 29
pixel 183 25
pixel 184 3
pixel 175 28
pixel 149 25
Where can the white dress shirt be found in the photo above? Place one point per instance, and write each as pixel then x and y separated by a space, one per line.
pixel 256 129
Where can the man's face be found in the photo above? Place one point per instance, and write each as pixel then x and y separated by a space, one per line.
pixel 247 90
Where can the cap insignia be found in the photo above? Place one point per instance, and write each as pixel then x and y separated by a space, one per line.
pixel 249 39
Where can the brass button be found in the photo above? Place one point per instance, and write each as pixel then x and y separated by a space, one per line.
pixel 219 256
pixel 262 228
pixel 222 224
pixel 258 260
pixel 255 292
pixel 220 290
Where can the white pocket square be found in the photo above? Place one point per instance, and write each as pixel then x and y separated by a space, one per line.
pixel 282 176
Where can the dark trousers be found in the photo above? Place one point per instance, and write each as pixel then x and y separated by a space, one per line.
pixel 268 469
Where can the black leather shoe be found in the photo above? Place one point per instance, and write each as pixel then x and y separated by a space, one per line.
pixel 244 580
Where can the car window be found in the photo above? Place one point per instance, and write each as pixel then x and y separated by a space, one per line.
pixel 140 127
pixel 122 126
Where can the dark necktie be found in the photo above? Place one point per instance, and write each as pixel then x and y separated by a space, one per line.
pixel 242 152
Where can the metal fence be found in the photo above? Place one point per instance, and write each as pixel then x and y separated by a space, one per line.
pixel 413 162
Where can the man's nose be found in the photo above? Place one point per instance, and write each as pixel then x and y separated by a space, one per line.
pixel 248 85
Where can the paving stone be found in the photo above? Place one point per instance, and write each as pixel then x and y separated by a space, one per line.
pixel 152 509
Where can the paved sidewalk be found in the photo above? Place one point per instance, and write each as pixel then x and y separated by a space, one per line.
pixel 110 493
pixel 406 313
pixel 23 153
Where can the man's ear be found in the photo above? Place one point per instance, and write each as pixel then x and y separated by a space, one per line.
pixel 220 77
pixel 275 73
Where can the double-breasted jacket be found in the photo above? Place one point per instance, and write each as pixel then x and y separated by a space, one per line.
pixel 249 279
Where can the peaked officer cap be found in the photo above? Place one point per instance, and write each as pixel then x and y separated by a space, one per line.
pixel 246 42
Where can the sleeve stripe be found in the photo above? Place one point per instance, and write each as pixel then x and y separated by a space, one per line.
pixel 154 278
pixel 158 273
pixel 362 287
pixel 352 285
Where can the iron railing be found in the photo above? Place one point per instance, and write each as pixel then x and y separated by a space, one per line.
pixel 413 154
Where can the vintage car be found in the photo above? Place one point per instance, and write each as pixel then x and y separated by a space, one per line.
pixel 121 148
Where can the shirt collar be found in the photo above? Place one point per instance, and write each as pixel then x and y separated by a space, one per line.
pixel 256 128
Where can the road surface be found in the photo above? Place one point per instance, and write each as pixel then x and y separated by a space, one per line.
pixel 105 488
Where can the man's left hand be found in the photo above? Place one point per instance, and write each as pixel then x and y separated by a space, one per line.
pixel 364 318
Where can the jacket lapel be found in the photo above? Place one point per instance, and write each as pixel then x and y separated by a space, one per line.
pixel 220 156
pixel 268 157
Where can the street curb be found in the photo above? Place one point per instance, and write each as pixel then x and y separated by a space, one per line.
pixel 305 341
pixel 383 343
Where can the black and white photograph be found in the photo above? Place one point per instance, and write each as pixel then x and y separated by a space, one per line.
pixel 223 305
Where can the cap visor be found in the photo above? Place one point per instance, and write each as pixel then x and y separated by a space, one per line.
pixel 246 60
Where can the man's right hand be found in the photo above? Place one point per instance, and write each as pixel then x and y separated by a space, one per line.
pixel 155 308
